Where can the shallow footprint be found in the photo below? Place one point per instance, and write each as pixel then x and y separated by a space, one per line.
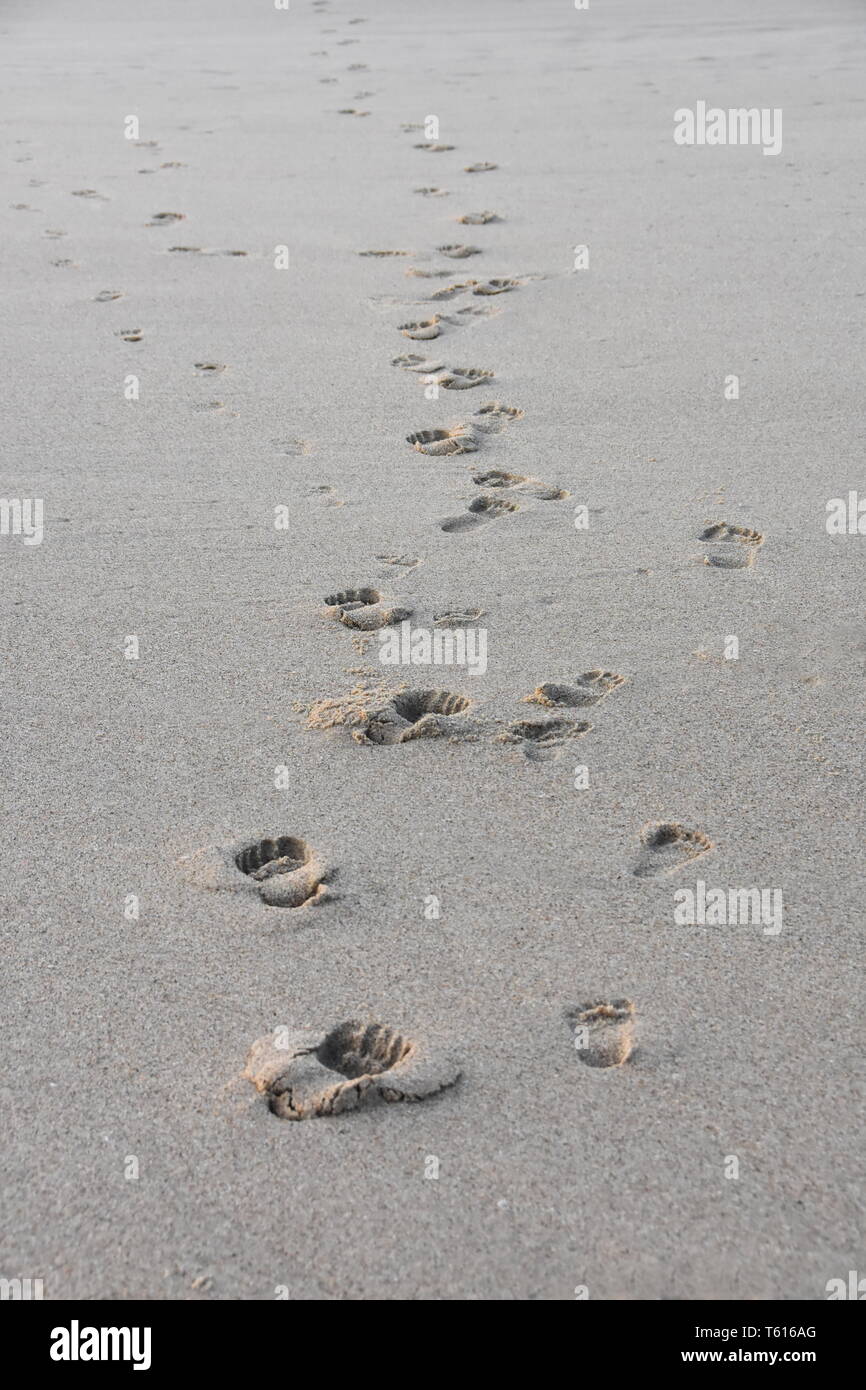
pixel 603 1031
pixel 493 417
pixel 421 329
pixel 732 546
pixel 539 739
pixel 499 286
pixel 481 168
pixel 458 440
pixel 479 219
pixel 668 846
pixel 530 487
pixel 589 689
pixel 457 252
pixel 479 512
pixel 434 149
pixel 432 192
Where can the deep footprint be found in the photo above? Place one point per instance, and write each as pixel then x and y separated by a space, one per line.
pixel 365 609
pixel 353 1064
pixel 283 870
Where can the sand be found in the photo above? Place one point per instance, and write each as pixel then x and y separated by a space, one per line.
pixel 138 1160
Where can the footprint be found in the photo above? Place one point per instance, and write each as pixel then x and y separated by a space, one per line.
pixel 531 487
pixel 292 448
pixel 478 513
pixel 418 274
pixel 493 417
pixel 384 253
pixel 589 689
pixel 458 617
pixel 283 871
pixel 456 252
pixel 328 494
pixel 500 286
pixel 449 291
pixel 365 609
pixel 209 368
pixel 353 1064
pixel 437 149
pixel 191 250
pixel 54 233
pixel 173 164
pixel 421 328
pixel 539 739
pixel 88 193
pixel 161 219
pixel 667 847
pixel 105 295
pixel 358 67
pixel 732 546
pixel 603 1032
pixel 462 378
pixel 458 440
pixel 436 373
pixel 351 111
pixel 406 562
pixel 130 335
pixel 481 168
pixel 479 219
pixel 431 192
pixel 415 714
pixel 411 125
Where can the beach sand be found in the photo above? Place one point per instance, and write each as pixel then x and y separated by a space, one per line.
pixel 138 1161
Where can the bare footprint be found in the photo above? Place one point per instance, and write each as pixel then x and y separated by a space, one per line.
pixel 421 329
pixel 493 417
pixel 292 448
pixel 478 513
pixel 457 252
pixel 353 1064
pixel 481 168
pixel 668 846
pixel 450 378
pixel 105 295
pixel 384 253
pixel 603 1032
pixel 351 111
pixel 328 495
pixel 406 562
pixel 589 689
pixel 731 546
pixel 540 739
pixel 365 609
pixel 209 368
pixel 282 870
pixel 518 482
pixel 432 192
pixel 479 219
pixel 415 714
pixel 89 193
pixel 441 442
pixel 450 291
pixel 162 219
pixel 434 149
pixel 498 286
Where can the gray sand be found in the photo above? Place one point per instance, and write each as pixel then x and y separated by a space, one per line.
pixel 126 1039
